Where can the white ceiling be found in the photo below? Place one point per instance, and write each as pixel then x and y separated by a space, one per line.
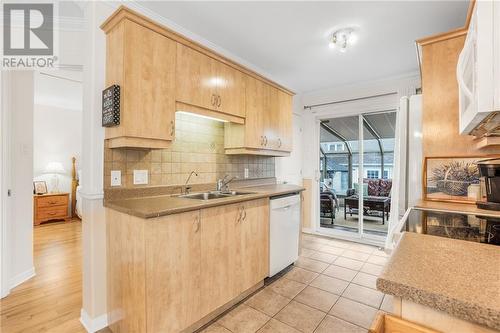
pixel 288 40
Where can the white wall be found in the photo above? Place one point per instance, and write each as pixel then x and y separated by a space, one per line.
pixel 57 127
pixel 18 112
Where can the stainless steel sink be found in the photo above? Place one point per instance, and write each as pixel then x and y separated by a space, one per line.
pixel 213 195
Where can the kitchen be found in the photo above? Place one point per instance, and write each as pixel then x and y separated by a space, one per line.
pixel 222 197
pixel 227 264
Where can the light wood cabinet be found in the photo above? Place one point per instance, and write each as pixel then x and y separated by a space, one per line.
pixel 161 72
pixel 235 251
pixel 254 243
pixel 267 129
pixel 207 83
pixel 136 60
pixel 174 272
pixel 220 256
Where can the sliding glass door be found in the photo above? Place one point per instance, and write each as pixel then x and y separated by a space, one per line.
pixel 355 164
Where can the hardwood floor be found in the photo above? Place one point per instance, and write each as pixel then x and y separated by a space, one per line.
pixel 50 301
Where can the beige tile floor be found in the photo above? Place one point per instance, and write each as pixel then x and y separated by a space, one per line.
pixel 331 288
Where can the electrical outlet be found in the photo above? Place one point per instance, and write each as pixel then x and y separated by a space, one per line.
pixel 140 177
pixel 116 178
pixel 246 172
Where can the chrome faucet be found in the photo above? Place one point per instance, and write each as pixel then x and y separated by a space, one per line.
pixel 188 188
pixel 222 184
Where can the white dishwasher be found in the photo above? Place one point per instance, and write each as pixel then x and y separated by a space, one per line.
pixel 284 231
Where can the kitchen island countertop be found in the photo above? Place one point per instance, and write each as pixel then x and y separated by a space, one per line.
pixel 458 277
pixel 155 206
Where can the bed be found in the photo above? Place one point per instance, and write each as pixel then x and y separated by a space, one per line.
pixel 76 202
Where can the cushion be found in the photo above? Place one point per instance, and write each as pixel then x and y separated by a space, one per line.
pixel 385 187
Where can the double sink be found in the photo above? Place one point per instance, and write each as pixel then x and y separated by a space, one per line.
pixel 213 195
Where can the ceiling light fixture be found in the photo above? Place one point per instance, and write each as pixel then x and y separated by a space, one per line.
pixel 343 38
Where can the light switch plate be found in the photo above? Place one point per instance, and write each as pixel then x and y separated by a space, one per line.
pixel 246 172
pixel 116 178
pixel 140 177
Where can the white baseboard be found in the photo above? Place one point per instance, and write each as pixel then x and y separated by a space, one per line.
pixel 22 277
pixel 93 324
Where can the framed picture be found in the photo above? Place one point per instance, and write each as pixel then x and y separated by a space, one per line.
pixel 452 179
pixel 40 187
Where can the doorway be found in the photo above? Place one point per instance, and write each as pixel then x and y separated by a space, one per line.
pixel 356 160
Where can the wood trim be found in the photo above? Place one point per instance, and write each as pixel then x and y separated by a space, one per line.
pixel 385 323
pixel 442 36
pixel 126 13
pixel 452 33
pixel 251 151
pixel 179 106
pixel 139 143
pixel 472 3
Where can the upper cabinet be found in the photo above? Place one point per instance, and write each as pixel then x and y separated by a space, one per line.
pixel 478 72
pixel 135 60
pixel 207 83
pixel 161 72
pixel 267 129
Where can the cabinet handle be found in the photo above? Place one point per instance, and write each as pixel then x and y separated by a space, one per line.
pixel 219 101
pixel 261 140
pixel 51 213
pixel 197 224
pixel 172 128
pixel 240 211
pixel 265 140
pixel 279 143
pixel 212 100
pixel 244 214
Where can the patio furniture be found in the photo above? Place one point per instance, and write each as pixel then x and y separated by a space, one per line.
pixel 328 204
pixel 370 203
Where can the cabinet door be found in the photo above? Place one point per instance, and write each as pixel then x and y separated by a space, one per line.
pixel 272 119
pixel 173 264
pixel 254 243
pixel 285 121
pixel 257 96
pixel 196 78
pixel 230 90
pixel 149 83
pixel 220 255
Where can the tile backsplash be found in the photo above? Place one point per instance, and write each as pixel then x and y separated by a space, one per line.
pixel 198 146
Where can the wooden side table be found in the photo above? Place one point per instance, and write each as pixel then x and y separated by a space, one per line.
pixel 48 207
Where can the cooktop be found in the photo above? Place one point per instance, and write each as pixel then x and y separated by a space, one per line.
pixel 468 227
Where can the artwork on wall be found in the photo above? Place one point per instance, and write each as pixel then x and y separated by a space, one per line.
pixel 111 106
pixel 40 187
pixel 453 179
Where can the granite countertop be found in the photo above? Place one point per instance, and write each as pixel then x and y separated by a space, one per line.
pixel 154 206
pixel 457 277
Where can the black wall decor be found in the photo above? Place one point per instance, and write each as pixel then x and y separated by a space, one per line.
pixel 111 106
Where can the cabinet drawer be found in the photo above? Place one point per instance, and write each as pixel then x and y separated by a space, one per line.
pixel 52 201
pixel 52 212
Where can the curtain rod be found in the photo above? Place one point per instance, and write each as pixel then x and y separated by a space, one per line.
pixel 347 100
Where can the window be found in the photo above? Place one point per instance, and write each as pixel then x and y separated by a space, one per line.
pixel 386 174
pixel 372 174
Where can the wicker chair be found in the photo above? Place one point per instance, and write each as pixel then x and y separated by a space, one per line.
pixel 328 205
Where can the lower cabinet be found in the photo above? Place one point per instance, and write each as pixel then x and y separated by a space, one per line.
pixel 166 274
pixel 235 251
pixel 173 272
